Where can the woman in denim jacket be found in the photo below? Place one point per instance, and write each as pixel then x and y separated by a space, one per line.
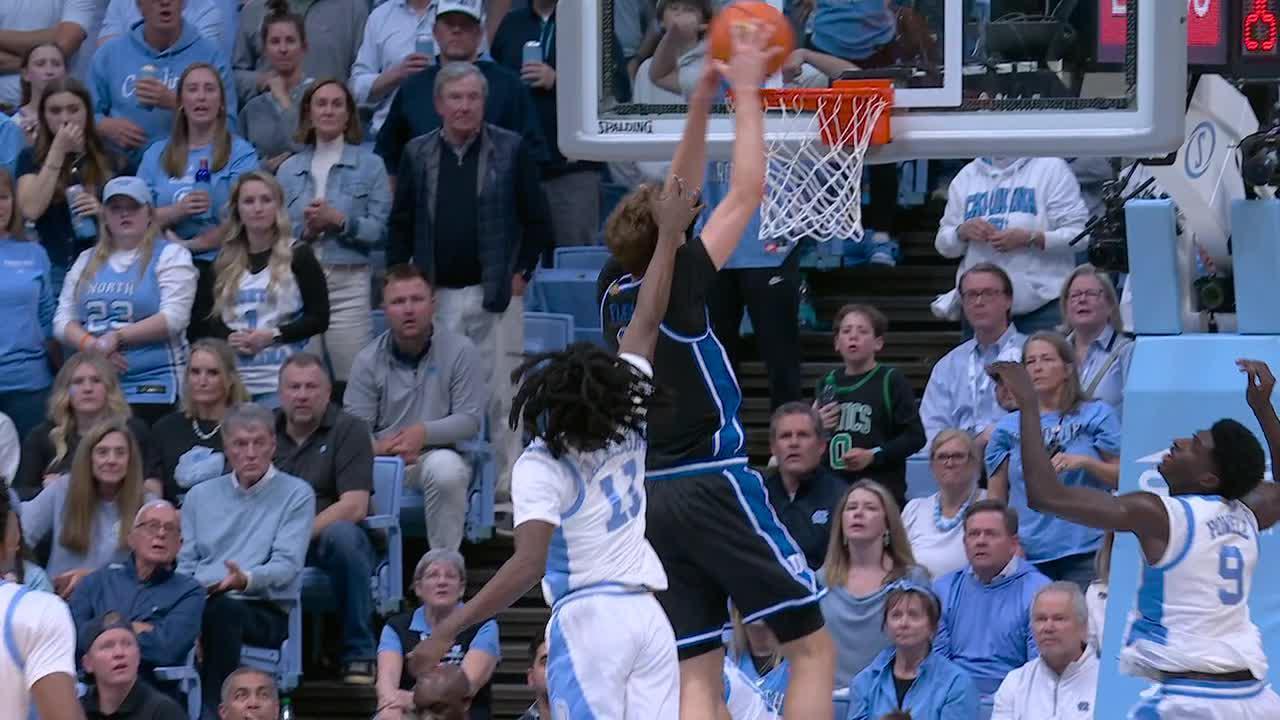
pixel 338 199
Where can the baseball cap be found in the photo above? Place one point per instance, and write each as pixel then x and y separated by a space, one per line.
pixel 474 8
pixel 129 186
pixel 95 628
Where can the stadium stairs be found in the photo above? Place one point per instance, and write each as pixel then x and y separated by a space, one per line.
pixel 915 342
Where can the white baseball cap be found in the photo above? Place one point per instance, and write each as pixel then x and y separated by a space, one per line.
pixel 474 8
pixel 129 186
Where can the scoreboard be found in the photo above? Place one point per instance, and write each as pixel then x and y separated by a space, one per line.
pixel 1235 38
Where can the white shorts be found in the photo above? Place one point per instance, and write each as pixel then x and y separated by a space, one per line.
pixel 612 655
pixel 1208 700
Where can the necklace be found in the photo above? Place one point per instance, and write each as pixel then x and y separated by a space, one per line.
pixel 946 525
pixel 195 428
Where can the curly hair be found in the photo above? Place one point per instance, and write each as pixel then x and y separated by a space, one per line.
pixel 630 232
pixel 1238 457
pixel 582 398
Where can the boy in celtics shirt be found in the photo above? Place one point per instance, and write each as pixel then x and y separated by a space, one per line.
pixel 868 409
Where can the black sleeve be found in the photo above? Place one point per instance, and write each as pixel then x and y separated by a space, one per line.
pixel 152 462
pixel 202 325
pixel 529 126
pixel 353 456
pixel 908 432
pixel 400 221
pixel 391 138
pixel 25 164
pixel 37 451
pixel 535 213
pixel 315 297
pixel 693 275
pixel 503 46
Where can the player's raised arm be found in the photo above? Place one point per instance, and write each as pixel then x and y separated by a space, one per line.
pixel 1264 500
pixel 1142 513
pixel 746 72
pixel 690 159
pixel 674 209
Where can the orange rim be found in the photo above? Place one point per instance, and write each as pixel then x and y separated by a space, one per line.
pixel 811 100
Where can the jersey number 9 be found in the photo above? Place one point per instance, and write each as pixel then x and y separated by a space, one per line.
pixel 1231 569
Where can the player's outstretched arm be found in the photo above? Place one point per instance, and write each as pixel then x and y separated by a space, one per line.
pixel 690 159
pixel 1141 513
pixel 746 72
pixel 674 209
pixel 516 577
pixel 54 698
pixel 1264 501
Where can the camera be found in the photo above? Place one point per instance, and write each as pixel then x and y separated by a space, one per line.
pixel 1108 247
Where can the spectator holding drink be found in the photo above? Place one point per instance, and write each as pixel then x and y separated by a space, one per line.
pixel 192 171
pixel 135 77
pixel 60 176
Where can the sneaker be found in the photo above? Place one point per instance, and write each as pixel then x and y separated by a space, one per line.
pixel 882 247
pixel 358 672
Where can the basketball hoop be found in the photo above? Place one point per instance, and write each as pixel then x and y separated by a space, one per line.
pixel 813 173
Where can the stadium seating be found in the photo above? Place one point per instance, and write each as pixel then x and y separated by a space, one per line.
pixel 547 332
pixel 582 257
pixel 572 292
pixel 187 679
pixel 284 662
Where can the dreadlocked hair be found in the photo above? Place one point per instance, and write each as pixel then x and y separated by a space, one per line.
pixel 582 398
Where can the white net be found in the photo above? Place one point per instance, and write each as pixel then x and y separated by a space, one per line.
pixel 812 188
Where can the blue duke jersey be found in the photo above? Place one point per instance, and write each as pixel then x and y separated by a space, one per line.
pixel 1192 612
pixel 112 299
pixel 700 422
pixel 597 503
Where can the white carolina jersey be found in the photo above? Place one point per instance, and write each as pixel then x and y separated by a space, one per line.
pixel 1192 613
pixel 597 503
pixel 37 639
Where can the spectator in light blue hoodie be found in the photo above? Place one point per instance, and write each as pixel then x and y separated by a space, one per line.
pixel 200 136
pixel 132 109
pixel 911 675
pixel 986 607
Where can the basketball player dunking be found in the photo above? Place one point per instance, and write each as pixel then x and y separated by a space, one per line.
pixel 709 517
pixel 1190 631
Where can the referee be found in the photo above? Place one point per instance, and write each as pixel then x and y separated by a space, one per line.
pixel 37 647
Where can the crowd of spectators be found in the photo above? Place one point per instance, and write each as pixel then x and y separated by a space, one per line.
pixel 195 211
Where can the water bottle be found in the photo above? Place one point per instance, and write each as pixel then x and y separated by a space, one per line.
pixel 808 315
pixel 204 184
pixel 286 709
pixel 84 226
pixel 424 44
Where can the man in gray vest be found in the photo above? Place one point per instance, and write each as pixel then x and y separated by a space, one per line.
pixel 470 212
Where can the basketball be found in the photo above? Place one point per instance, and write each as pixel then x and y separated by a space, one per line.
pixel 776 24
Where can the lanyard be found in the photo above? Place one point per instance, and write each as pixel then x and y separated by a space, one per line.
pixel 547 38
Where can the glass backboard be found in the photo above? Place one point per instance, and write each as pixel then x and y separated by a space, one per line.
pixel 973 77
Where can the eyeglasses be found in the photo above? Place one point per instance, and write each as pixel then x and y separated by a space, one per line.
pixel 951 458
pixel 1082 294
pixel 986 294
pixel 153 527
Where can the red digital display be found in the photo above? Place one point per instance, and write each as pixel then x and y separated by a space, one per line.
pixel 1206 30
pixel 1258 29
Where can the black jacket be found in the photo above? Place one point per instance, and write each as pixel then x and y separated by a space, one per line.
pixel 142 703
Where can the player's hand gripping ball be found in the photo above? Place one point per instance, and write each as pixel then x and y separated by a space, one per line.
pixel 775 25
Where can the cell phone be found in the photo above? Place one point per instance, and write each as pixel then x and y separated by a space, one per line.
pixel 532 53
pixel 827 396
pixel 425 44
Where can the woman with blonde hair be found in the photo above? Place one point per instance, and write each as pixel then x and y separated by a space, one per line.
pixel 867 554
pixel 754 656
pixel 85 392
pixel 88 513
pixel 129 299
pixel 1083 439
pixel 190 438
pixel 1093 327
pixel 200 139
pixel 269 296
pixel 935 524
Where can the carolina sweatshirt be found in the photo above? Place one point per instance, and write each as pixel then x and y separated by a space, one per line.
pixel 986 629
pixel 1036 194
pixel 114 76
